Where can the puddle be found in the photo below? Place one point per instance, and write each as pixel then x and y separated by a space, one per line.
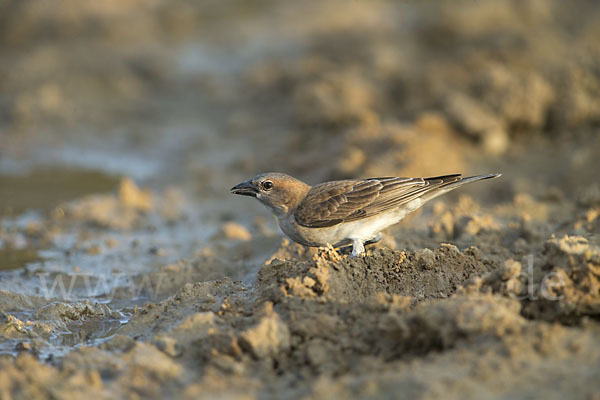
pixel 43 189
pixel 17 258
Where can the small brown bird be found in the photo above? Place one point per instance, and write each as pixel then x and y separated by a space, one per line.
pixel 352 211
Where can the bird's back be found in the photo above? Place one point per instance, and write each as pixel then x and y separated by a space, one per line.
pixel 332 203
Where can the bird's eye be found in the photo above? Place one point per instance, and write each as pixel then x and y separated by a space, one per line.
pixel 267 185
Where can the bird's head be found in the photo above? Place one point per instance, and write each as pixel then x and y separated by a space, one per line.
pixel 280 192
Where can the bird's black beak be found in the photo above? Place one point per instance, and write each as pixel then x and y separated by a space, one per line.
pixel 245 189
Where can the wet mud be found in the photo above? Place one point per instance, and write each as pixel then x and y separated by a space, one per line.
pixel 128 270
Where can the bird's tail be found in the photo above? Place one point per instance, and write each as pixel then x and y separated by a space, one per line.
pixel 446 183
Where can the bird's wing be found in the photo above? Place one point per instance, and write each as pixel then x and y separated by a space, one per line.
pixel 332 203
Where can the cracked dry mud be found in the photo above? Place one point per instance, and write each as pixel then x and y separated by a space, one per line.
pixel 129 271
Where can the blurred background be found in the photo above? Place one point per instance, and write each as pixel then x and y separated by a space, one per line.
pixel 124 123
pixel 202 94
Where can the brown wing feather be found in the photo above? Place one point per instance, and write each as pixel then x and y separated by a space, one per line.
pixel 331 203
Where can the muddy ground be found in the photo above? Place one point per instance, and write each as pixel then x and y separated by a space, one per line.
pixel 128 270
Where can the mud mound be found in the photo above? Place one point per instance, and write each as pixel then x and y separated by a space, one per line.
pixel 419 275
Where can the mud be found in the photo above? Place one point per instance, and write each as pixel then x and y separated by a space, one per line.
pixel 128 270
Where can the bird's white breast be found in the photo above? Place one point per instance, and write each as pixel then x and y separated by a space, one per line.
pixel 364 229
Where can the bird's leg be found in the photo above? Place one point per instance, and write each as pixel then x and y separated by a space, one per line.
pixel 357 247
pixel 374 239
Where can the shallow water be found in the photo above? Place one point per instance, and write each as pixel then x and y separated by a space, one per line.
pixel 47 187
pixel 17 258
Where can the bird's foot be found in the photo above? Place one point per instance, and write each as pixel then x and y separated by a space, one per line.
pixel 357 248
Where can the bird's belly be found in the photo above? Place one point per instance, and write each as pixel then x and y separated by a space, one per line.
pixel 368 228
pixel 363 229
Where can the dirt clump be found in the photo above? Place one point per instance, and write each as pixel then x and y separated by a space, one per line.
pixel 561 284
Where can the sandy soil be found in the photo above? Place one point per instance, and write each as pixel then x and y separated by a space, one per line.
pixel 127 269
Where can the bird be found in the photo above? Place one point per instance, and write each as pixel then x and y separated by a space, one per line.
pixel 345 212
